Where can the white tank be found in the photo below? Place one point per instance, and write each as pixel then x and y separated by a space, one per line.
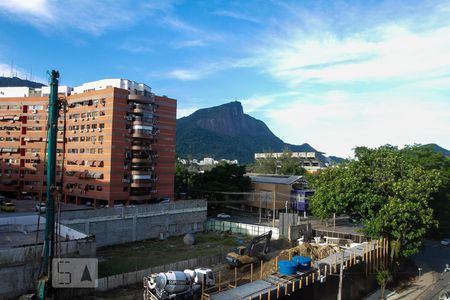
pixel 173 281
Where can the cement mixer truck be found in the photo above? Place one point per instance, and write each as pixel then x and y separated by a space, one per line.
pixel 177 285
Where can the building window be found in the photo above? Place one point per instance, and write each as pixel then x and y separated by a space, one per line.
pixel 99 188
pixel 100 151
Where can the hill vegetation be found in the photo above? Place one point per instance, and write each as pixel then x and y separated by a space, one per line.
pixel 226 132
pixel 16 81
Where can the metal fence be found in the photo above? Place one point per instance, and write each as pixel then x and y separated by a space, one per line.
pixel 241 228
pixel 358 238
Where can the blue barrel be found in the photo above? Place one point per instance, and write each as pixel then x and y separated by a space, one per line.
pixel 303 262
pixel 287 267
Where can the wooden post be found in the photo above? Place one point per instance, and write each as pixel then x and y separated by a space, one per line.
pixel 235 277
pixel 276 264
pixel 335 262
pixel 278 290
pixel 251 273
pixel 220 280
pixel 262 263
pixel 326 270
pixel 301 282
pixel 307 277
pixel 268 294
pixel 260 296
pixel 285 289
pixel 312 279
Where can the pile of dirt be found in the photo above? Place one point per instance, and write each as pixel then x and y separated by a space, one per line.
pixel 314 251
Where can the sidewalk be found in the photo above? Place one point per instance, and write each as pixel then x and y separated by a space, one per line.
pixel 414 291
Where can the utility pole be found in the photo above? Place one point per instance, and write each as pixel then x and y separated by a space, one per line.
pixel 341 275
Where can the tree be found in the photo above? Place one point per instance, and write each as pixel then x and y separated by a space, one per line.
pixel 286 164
pixel 383 277
pixel 385 190
pixel 224 182
pixel 429 159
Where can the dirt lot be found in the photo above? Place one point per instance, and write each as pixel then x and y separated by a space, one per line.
pixel 145 254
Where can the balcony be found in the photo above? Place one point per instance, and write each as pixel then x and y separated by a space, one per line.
pixel 142 98
pixel 140 197
pixel 141 184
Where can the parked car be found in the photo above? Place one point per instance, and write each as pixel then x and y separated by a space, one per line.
pixel 2 200
pixel 8 207
pixel 223 216
pixel 41 207
pixel 445 242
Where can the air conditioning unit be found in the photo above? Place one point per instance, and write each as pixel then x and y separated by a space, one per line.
pixel 99 129
pixel 75 120
pixel 82 119
pixel 87 119
pixel 93 117
pixel 74 131
pixel 36 154
pixel 92 130
pixel 34 165
pixel 101 142
pixel 33 111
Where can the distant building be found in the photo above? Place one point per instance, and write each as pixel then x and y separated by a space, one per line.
pixel 308 160
pixel 117 142
pixel 274 193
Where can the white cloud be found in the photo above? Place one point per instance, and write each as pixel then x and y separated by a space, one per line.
pixel 337 121
pixel 94 17
pixel 383 53
pixel 188 43
pixel 183 112
pixel 261 102
pixel 236 15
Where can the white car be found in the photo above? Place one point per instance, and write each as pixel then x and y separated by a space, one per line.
pixel 40 207
pixel 445 242
pixel 223 216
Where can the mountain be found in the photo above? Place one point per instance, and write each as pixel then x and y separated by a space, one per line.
pixel 336 159
pixel 16 81
pixel 224 131
pixel 439 149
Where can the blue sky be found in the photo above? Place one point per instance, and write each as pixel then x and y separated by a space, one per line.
pixel 335 74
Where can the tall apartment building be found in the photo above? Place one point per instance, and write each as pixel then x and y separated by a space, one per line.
pixel 116 143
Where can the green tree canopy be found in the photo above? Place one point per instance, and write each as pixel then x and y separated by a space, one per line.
pixel 383 188
pixel 223 182
pixel 284 165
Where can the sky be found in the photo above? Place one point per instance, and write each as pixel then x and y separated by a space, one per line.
pixel 334 74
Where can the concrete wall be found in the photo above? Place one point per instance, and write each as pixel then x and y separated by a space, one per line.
pixel 128 224
pixel 19 266
pixel 114 281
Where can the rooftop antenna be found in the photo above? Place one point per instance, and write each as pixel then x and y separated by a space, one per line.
pixel 11 74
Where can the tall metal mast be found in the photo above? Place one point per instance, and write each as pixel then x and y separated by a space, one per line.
pixel 53 109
